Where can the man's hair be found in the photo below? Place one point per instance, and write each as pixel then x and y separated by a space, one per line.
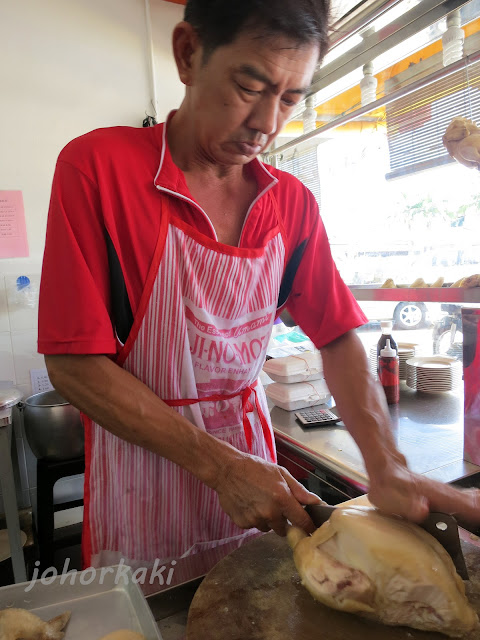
pixel 218 22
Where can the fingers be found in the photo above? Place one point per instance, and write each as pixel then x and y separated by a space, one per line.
pixel 413 507
pixel 418 509
pixel 404 495
pixel 279 523
pixel 279 526
pixel 462 503
pixel 302 495
pixel 299 517
pixel 266 497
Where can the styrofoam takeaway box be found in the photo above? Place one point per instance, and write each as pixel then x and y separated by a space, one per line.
pixel 308 366
pixel 298 395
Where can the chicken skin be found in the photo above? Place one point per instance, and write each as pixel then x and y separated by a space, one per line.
pixel 19 624
pixel 462 141
pixel 383 568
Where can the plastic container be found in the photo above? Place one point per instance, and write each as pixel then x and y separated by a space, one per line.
pixel 389 373
pixel 299 394
pixel 286 341
pixel 386 335
pixel 299 368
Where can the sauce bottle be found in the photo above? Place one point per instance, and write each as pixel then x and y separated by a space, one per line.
pixel 386 335
pixel 389 374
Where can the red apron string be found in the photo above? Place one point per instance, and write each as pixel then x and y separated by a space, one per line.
pixel 247 408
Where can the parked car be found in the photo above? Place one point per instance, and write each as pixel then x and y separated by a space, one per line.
pixel 405 315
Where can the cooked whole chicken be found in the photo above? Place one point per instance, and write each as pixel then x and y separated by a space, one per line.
pixel 462 141
pixel 20 624
pixel 384 568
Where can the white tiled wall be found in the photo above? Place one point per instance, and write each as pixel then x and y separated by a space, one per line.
pixel 55 57
pixel 18 355
pixel 25 356
pixel 18 331
pixel 22 304
pixel 7 369
pixel 4 319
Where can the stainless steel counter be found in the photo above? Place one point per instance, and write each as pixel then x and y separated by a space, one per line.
pixel 428 430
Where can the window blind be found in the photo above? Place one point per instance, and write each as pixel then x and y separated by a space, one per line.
pixel 417 122
pixel 303 164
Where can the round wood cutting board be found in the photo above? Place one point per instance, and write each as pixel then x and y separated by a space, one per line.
pixel 255 594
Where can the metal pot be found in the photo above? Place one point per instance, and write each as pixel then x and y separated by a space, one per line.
pixel 53 427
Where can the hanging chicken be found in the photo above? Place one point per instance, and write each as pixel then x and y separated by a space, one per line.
pixel 462 140
pixel 384 568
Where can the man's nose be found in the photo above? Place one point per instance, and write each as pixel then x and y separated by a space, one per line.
pixel 264 117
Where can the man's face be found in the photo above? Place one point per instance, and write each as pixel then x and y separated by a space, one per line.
pixel 242 95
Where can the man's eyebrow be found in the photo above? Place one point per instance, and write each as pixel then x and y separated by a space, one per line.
pixel 258 75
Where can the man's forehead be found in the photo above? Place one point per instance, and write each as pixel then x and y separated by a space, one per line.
pixel 258 74
pixel 275 42
pixel 251 50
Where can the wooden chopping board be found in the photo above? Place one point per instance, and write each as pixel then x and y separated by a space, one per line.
pixel 255 594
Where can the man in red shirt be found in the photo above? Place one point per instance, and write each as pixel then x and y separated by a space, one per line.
pixel 175 249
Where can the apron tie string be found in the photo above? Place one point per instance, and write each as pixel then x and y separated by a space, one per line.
pixel 247 407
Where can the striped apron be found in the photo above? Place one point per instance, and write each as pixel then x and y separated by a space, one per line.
pixel 198 341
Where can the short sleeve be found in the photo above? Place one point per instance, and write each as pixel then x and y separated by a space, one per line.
pixel 320 302
pixel 74 306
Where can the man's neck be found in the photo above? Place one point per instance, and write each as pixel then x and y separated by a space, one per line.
pixel 191 160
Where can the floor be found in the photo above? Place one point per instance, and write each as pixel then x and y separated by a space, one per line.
pixel 174 627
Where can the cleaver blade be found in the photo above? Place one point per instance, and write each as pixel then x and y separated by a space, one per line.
pixel 442 526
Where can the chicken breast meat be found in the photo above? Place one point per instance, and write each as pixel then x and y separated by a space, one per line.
pixel 384 568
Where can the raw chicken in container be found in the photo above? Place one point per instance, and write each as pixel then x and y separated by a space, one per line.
pixel 383 568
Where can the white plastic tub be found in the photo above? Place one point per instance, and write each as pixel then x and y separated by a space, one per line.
pixel 299 394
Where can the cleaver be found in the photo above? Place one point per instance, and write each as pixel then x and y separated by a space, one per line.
pixel 441 526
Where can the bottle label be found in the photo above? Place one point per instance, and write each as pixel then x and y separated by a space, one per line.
pixel 389 376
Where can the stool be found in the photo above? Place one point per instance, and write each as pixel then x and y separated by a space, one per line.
pixel 9 398
pixel 48 472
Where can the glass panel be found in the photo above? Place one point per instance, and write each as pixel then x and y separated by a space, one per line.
pixel 395 205
pixel 420 329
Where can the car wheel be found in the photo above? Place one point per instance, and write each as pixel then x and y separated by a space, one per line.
pixel 409 315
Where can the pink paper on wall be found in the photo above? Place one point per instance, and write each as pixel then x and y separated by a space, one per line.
pixel 13 231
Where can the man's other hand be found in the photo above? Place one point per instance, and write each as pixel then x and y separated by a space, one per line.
pixel 400 491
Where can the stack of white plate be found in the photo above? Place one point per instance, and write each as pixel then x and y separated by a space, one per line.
pixel 434 374
pixel 372 360
pixel 406 350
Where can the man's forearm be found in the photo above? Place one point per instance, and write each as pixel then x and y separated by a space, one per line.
pixel 126 407
pixel 360 401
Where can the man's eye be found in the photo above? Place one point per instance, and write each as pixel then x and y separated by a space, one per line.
pixel 249 92
pixel 289 102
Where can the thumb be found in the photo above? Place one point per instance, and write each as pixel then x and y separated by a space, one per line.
pixel 299 492
pixel 418 509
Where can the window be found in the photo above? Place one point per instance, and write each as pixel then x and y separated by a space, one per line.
pixel 417 122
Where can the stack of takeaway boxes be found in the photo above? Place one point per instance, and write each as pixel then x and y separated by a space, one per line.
pixel 299 381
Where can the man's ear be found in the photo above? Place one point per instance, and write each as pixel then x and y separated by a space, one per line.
pixel 186 50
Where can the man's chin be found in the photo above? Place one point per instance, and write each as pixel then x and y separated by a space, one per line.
pixel 241 152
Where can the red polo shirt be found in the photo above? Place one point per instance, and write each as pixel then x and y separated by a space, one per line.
pixel 110 184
